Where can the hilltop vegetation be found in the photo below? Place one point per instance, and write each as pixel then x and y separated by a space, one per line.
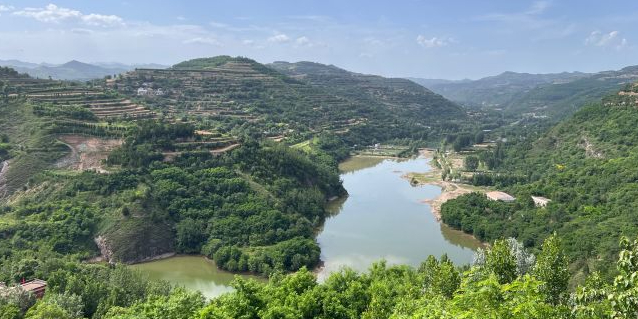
pixel 585 165
pixel 249 98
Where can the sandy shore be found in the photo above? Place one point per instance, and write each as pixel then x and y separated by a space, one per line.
pixel 449 190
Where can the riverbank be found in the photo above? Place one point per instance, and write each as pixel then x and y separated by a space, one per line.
pixel 449 190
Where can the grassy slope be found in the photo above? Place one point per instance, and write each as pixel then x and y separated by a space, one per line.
pixel 34 148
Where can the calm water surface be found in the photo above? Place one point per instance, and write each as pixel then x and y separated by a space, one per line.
pixel 191 272
pixel 382 218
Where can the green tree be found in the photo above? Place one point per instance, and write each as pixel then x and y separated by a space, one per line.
pixel 10 311
pixel 471 162
pixel 500 261
pixel 479 137
pixel 552 269
pixel 44 310
pixel 191 236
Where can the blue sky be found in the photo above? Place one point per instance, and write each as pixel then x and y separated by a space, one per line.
pixel 418 38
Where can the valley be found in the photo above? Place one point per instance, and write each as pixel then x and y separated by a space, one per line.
pixel 219 173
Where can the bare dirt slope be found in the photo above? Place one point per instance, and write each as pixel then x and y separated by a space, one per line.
pixel 4 167
pixel 87 152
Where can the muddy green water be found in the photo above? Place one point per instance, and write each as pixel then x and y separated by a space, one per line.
pixel 191 272
pixel 382 218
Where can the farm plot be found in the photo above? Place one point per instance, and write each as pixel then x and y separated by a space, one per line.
pixel 99 103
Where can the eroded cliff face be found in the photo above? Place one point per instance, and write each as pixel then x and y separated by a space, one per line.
pixel 136 240
pixel 4 167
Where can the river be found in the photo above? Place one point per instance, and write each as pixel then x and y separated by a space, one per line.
pixel 382 218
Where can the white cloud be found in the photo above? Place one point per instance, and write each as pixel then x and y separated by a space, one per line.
pixel 303 40
pixel 51 13
pixel 4 8
pixel 102 20
pixel 539 7
pixel 54 14
pixel 203 40
pixel 279 38
pixel 433 42
pixel 611 39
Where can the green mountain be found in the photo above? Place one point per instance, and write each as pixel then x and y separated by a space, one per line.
pixel 558 100
pixel 585 165
pixel 399 96
pixel 297 101
pixel 496 91
pixel 554 96
pixel 82 176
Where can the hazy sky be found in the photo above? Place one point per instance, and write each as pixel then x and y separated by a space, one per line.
pixel 419 38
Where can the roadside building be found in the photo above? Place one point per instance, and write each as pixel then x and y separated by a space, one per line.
pixel 500 196
pixel 36 287
pixel 540 201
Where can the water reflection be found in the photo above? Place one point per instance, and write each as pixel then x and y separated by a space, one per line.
pixel 383 218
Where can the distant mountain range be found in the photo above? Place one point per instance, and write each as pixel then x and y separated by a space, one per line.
pixel 74 70
pixel 554 95
pixel 495 90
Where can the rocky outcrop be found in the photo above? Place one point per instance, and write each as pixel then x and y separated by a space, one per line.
pixel 136 239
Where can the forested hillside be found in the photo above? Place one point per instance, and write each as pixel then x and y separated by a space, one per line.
pixel 276 102
pixel 85 176
pixel 496 91
pixel 585 166
pixel 555 96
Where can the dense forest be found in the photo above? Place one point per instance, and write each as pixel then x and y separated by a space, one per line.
pixel 585 166
pixel 253 209
pixel 505 282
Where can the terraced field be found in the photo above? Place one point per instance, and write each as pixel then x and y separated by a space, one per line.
pixel 215 92
pixel 293 101
pixel 101 104
pixel 71 94
pixel 207 141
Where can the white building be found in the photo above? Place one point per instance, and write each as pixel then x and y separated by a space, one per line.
pixel 149 92
pixel 142 91
pixel 540 201
pixel 500 196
